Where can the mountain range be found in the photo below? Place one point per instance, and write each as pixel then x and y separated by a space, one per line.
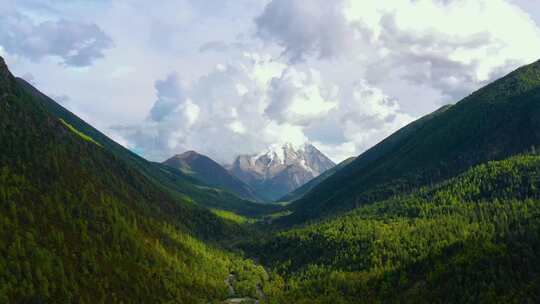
pixel 280 169
pixel 261 177
pixel 207 170
pixel 445 210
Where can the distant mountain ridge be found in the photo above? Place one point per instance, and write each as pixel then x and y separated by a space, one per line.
pixel 280 169
pixel 210 172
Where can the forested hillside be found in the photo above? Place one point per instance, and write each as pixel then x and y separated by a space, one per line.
pixel 497 121
pixel 472 239
pixel 173 181
pixel 79 223
pixel 446 210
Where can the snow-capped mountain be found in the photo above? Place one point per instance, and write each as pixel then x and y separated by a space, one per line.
pixel 280 169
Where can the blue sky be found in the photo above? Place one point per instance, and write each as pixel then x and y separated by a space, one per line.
pixel 233 77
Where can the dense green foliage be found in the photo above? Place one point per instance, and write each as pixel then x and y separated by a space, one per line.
pixel 81 224
pixel 499 120
pixel 445 210
pixel 472 239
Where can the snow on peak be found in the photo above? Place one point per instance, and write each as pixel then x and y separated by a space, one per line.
pixel 283 152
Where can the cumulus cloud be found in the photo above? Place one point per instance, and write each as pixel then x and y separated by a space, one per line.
pixel 170 96
pixel 454 47
pixel 75 43
pixel 451 46
pixel 342 74
pixel 168 124
pixel 365 116
pixel 221 113
pixel 299 97
pixel 370 116
pixel 306 28
pixel 244 106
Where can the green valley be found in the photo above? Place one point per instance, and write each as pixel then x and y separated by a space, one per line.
pixel 471 239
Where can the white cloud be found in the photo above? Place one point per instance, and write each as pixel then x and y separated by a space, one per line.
pixel 75 43
pixel 237 127
pixel 246 74
pixel 371 116
pixel 452 46
pixel 214 116
pixel 190 112
pixel 298 97
pixel 223 109
pixel 285 133
pixel 306 28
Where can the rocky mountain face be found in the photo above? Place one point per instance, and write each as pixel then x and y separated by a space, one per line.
pixel 301 191
pixel 280 169
pixel 211 173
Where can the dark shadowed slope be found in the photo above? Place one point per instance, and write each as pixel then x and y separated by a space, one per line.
pixel 210 172
pixel 300 192
pixel 497 121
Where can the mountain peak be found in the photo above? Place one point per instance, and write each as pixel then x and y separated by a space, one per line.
pixel 5 76
pixel 281 168
pixel 188 155
pixel 284 152
pixel 190 152
pixel 2 63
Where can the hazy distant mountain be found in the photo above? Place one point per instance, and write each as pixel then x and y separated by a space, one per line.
pixel 210 172
pixel 280 169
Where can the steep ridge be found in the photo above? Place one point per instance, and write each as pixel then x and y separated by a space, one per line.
pixel 173 181
pixel 472 239
pixel 80 224
pixel 210 172
pixel 300 192
pixel 280 169
pixel 497 121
